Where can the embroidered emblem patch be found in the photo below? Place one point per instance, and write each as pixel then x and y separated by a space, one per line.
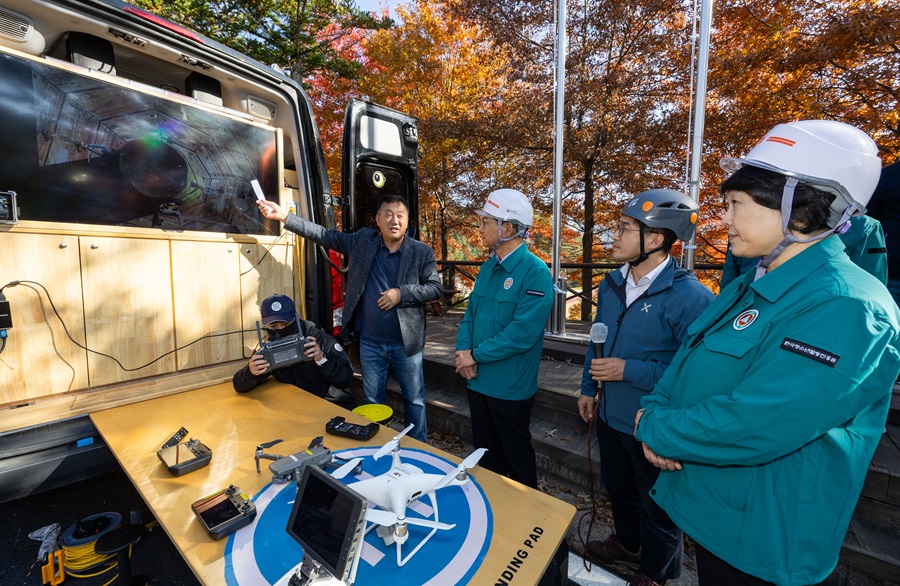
pixel 276 306
pixel 338 347
pixel 507 283
pixel 816 354
pixel 744 320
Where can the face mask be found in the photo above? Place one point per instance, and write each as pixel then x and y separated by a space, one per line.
pixel 290 330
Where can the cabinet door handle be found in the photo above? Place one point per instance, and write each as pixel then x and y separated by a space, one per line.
pixel 95 246
pixel 63 245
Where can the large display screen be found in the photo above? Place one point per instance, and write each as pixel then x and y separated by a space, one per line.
pixel 80 148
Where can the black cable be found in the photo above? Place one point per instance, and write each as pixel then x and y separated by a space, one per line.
pixel 280 236
pixel 114 359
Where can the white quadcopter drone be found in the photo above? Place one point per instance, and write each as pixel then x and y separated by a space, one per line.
pixel 399 487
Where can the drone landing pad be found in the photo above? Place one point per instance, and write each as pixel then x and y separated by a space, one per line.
pixel 262 553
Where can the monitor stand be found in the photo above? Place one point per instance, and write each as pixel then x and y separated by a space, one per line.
pixel 309 573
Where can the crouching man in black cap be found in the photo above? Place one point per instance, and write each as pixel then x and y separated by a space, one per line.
pixel 328 372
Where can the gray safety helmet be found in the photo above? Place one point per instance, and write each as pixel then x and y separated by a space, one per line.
pixel 665 208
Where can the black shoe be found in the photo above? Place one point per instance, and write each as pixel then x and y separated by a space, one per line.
pixel 611 551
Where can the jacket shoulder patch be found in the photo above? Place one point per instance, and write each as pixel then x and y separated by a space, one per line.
pixel 816 354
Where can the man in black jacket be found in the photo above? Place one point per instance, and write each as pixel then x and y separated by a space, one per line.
pixel 326 374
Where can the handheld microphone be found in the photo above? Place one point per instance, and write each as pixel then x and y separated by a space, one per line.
pixel 599 331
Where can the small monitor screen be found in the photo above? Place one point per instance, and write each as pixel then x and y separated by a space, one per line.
pixel 327 520
pixel 217 511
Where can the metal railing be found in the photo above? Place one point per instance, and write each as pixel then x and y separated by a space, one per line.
pixel 451 269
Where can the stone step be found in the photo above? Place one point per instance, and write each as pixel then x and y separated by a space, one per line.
pixel 883 480
pixel 870 553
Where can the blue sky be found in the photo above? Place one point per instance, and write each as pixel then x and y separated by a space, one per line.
pixel 375 5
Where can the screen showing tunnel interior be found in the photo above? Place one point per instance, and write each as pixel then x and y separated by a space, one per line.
pixel 80 149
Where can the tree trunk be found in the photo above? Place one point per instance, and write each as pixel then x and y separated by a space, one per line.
pixel 587 239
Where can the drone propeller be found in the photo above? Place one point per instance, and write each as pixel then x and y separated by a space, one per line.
pixel 470 462
pixel 389 447
pixel 387 518
pixel 346 468
pixel 269 444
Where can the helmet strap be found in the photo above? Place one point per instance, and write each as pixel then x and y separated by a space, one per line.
pixel 787 205
pixel 645 254
pixel 500 239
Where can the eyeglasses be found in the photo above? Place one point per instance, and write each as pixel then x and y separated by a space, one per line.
pixel 621 228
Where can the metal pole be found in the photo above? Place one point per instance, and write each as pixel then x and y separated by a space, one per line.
pixel 706 7
pixel 557 323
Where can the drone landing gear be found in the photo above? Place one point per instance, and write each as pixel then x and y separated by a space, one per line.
pixel 399 533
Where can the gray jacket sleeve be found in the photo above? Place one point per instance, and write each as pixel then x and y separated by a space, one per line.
pixel 331 239
pixel 429 286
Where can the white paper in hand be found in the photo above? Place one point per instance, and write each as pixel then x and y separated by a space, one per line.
pixel 257 190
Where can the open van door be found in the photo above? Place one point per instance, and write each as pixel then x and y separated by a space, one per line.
pixel 380 157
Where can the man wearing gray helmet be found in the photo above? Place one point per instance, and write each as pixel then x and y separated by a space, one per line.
pixel 647 306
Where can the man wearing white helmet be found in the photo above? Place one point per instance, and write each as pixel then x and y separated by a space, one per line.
pixel 766 420
pixel 498 347
pixel 647 307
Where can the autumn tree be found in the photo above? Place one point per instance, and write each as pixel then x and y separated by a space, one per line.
pixel 445 73
pixel 626 90
pixel 777 62
pixel 299 36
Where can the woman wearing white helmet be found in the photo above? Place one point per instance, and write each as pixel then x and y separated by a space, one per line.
pixel 767 418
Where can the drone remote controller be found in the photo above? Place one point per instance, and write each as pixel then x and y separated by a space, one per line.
pixel 339 426
pixel 282 352
pixel 224 512
pixel 181 458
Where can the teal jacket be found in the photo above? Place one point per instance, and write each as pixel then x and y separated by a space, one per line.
pixel 775 403
pixel 504 324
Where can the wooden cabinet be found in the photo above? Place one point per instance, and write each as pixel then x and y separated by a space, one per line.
pixel 127 287
pixel 264 271
pixel 207 297
pixel 132 296
pixel 39 358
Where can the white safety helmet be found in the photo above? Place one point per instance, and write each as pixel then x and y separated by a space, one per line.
pixel 832 156
pixel 829 155
pixel 508 205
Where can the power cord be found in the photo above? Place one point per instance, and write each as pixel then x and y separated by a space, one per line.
pixel 113 358
pixel 592 511
pixel 280 236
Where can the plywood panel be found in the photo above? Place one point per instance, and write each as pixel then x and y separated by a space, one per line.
pixel 262 274
pixel 39 358
pixel 207 301
pixel 128 309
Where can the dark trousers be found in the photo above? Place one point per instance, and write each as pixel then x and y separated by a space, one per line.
pixel 640 523
pixel 714 571
pixel 503 427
